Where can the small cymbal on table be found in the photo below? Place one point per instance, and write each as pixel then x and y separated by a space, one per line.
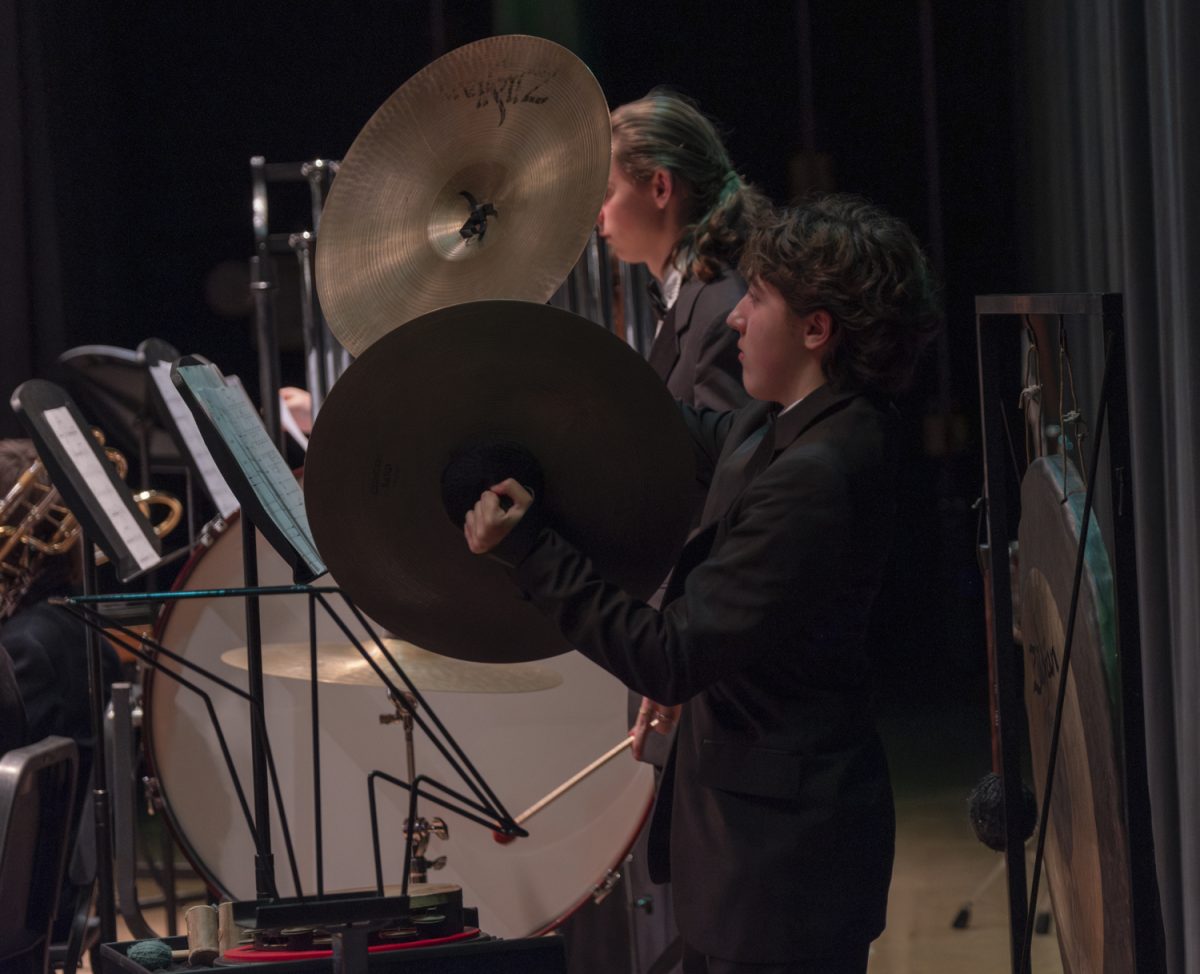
pixel 342 663
pixel 481 177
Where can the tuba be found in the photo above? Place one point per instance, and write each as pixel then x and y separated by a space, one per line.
pixel 34 524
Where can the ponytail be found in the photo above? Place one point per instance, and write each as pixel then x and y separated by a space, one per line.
pixel 665 130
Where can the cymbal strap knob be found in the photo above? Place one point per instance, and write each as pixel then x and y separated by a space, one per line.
pixel 476 224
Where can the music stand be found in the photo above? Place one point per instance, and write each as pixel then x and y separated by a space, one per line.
pixel 113 387
pixel 271 500
pixel 157 357
pixel 109 519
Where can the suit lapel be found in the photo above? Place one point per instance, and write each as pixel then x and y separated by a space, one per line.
pixel 729 479
pixel 817 405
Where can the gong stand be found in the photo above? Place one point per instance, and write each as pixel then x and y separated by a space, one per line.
pixel 999 320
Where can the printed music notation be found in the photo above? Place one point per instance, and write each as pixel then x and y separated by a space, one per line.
pixel 258 458
pixel 80 453
pixel 185 422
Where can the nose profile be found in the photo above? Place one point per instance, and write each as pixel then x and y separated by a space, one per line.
pixel 737 318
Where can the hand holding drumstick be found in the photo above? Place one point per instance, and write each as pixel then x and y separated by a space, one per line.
pixel 661 720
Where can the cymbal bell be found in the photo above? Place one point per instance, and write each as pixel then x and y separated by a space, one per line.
pixel 342 663
pixel 481 177
pixel 614 453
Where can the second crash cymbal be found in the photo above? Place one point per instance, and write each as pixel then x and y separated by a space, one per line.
pixel 481 177
pixel 614 463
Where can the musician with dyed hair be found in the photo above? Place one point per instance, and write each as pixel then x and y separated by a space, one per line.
pixel 676 204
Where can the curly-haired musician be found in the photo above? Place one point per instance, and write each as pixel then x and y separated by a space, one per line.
pixel 775 816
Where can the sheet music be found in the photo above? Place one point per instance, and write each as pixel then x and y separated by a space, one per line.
pixel 259 459
pixel 185 422
pixel 79 452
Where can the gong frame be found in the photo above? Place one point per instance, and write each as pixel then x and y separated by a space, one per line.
pixel 999 321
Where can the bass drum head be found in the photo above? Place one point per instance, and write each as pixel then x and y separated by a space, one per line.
pixel 1087 846
pixel 523 744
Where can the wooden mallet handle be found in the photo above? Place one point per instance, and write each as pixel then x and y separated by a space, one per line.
pixel 567 785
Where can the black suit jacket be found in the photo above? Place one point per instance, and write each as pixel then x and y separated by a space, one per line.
pixel 695 351
pixel 776 805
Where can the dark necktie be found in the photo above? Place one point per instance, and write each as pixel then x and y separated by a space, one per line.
pixel 665 350
pixel 745 463
pixel 657 301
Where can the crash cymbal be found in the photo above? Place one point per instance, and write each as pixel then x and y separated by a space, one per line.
pixel 615 458
pixel 343 664
pixel 512 131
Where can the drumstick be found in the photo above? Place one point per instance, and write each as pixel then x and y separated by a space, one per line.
pixel 567 785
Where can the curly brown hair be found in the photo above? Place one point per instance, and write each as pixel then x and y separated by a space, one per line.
pixel 867 270
pixel 665 130
pixel 15 457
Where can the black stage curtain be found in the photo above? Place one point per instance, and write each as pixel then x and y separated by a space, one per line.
pixel 29 265
pixel 1113 183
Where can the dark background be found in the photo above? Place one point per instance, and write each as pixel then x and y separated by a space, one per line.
pixel 139 121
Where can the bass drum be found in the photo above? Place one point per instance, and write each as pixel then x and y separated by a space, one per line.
pixel 524 745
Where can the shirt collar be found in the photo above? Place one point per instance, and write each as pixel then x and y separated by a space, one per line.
pixel 672 283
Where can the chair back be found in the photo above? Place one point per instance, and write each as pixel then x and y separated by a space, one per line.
pixel 37 793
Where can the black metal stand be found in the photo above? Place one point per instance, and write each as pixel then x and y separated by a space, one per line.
pixel 324 358
pixel 486 809
pixel 264 861
pixel 105 900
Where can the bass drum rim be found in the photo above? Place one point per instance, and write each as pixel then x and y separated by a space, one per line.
pixel 208 538
pixel 162 801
